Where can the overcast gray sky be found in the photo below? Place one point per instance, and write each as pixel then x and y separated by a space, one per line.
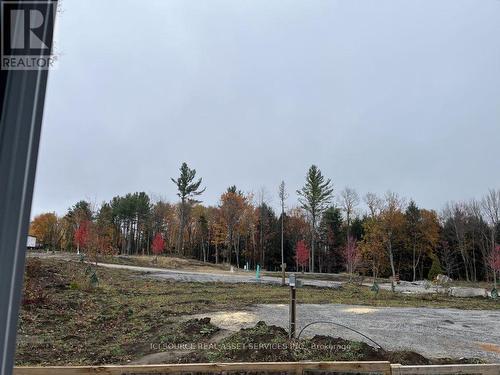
pixel 386 94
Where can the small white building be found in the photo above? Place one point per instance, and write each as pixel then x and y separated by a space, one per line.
pixel 31 242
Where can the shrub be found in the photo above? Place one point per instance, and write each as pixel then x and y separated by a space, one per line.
pixel 435 268
pixel 33 291
pixel 33 267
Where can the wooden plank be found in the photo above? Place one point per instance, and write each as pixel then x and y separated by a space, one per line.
pixel 298 367
pixel 482 369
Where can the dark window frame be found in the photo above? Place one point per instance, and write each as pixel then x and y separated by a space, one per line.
pixel 22 97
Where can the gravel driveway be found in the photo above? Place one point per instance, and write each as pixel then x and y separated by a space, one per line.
pixel 434 333
pixel 223 277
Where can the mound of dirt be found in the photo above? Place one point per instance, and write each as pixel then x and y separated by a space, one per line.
pixel 198 327
pixel 264 343
pixel 407 358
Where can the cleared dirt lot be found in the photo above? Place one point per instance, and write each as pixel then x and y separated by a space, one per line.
pixel 214 277
pixel 192 274
pixel 434 333
pixel 66 320
pixel 188 270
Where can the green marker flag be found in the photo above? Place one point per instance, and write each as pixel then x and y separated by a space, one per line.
pixel 494 293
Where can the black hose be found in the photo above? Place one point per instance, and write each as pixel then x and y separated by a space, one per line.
pixel 340 325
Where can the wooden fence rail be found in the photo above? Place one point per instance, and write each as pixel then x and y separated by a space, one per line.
pixel 483 369
pixel 299 368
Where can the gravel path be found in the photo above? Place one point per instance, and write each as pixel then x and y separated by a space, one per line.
pixel 249 277
pixel 204 277
pixel 434 333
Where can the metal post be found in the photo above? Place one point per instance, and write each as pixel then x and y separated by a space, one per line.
pixel 293 314
pixel 283 275
pixel 292 282
pixel 21 104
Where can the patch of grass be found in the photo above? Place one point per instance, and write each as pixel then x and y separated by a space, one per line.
pixel 117 321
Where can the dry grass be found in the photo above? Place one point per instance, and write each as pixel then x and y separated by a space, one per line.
pixel 166 262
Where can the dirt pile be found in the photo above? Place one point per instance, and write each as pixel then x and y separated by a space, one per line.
pixel 264 343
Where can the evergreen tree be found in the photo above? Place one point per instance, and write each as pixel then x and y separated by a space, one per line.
pixel 435 268
pixel 188 189
pixel 314 197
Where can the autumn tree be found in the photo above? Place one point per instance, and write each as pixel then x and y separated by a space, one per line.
pixel 82 235
pixel 296 229
pixel 96 241
pixel 219 237
pixel 392 221
pixel 314 197
pixel 247 229
pixel 158 245
pixel 232 206
pixel 421 234
pixel 45 227
pixel 372 247
pixel 302 254
pixel 164 220
pixel 105 224
pixel 429 233
pixel 188 188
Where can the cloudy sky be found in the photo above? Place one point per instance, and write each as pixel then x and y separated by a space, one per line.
pixel 386 94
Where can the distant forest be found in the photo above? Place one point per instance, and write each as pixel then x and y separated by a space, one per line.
pixel 325 232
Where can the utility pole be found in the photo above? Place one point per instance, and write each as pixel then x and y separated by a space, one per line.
pixel 283 195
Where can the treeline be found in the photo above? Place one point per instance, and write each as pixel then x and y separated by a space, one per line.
pixel 393 237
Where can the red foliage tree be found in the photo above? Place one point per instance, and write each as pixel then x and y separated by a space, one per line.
pixel 158 244
pixel 81 236
pixel 302 254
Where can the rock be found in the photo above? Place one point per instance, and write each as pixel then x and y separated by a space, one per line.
pixel 443 279
pixel 467 292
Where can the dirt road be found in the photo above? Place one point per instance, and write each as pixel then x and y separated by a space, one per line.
pixel 240 276
pixel 195 276
pixel 434 333
pixel 223 277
